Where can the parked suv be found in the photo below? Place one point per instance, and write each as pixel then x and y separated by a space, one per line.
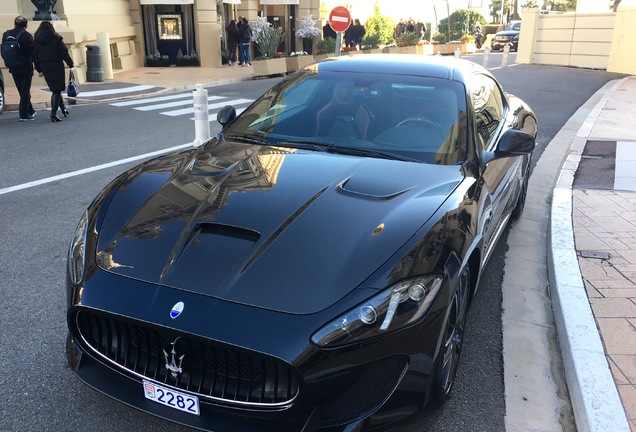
pixel 1 92
pixel 508 36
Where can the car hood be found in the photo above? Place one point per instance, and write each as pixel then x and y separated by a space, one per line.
pixel 507 33
pixel 292 231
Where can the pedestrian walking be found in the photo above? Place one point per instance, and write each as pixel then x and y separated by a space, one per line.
pixel 245 37
pixel 233 35
pixel 49 56
pixel 17 52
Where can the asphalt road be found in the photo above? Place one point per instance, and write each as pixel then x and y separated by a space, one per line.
pixel 40 393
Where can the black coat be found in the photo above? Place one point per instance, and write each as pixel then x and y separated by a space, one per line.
pixel 26 46
pixel 49 55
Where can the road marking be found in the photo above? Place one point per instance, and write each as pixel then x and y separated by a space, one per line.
pixel 211 106
pixel 116 91
pixel 151 100
pixel 91 169
pixel 173 104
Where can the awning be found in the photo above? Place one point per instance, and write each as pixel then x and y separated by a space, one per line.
pixel 279 2
pixel 167 2
pixel 232 1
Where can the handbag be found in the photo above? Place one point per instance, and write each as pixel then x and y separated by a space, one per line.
pixel 73 89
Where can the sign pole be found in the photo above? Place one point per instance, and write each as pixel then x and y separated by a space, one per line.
pixel 338 43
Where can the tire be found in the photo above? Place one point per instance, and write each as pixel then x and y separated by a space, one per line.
pixel 521 200
pixel 447 360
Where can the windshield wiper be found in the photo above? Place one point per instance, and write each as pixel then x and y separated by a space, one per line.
pixel 372 153
pixel 333 148
pixel 248 138
pixel 307 145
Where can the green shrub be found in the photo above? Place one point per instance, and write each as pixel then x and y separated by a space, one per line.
pixel 408 39
pixel 370 41
pixel 326 46
pixel 380 25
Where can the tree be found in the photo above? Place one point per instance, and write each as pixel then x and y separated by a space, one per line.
pixel 460 22
pixel 381 25
pixel 495 10
pixel 614 5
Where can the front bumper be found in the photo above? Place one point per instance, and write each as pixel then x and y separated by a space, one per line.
pixel 375 383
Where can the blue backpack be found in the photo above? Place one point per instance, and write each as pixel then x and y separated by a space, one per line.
pixel 11 51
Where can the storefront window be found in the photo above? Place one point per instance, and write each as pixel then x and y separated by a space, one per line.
pixel 169 27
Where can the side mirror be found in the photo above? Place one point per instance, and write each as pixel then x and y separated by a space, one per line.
pixel 226 115
pixel 512 143
pixel 515 143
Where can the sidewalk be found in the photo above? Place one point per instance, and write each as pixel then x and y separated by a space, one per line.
pixel 591 245
pixel 592 248
pixel 148 80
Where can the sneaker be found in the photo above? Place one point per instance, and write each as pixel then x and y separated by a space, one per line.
pixel 32 116
pixel 249 64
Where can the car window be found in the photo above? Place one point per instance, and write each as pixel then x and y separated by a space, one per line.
pixel 413 117
pixel 513 26
pixel 489 105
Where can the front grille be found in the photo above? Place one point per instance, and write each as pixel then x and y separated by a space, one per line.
pixel 209 369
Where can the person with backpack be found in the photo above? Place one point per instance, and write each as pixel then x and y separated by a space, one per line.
pixel 17 46
pixel 49 55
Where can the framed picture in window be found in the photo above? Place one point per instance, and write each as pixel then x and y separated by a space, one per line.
pixel 169 27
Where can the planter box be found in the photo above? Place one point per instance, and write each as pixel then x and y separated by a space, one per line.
pixel 321 57
pixel 468 48
pixel 298 62
pixel 269 67
pixel 371 51
pixel 411 49
pixel 426 49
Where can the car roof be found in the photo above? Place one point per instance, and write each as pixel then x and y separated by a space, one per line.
pixel 403 64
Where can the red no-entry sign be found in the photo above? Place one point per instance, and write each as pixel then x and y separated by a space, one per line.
pixel 339 18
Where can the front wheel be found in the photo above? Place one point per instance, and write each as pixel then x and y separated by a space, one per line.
pixel 521 200
pixel 447 360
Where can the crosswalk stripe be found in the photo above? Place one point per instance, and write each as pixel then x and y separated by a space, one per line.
pixel 116 91
pixel 173 104
pixel 211 106
pixel 152 100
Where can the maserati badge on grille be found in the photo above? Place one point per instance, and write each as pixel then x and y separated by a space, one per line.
pixel 171 364
pixel 176 310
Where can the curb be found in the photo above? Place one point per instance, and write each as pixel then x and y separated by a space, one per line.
pixel 595 400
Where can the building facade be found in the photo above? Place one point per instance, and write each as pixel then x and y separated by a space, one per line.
pixel 137 33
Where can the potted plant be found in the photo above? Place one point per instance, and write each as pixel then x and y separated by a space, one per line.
pixel 157 60
pixel 307 32
pixel 267 38
pixel 325 48
pixel 407 42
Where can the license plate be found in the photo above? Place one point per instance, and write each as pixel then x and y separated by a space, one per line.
pixel 173 399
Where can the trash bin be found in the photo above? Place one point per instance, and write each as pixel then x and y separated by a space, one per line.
pixel 94 69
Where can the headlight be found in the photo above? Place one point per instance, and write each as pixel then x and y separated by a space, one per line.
pixel 77 251
pixel 394 308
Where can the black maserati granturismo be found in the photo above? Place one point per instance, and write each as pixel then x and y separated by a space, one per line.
pixel 310 268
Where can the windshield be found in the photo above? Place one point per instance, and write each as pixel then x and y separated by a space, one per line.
pixel 513 26
pixel 376 115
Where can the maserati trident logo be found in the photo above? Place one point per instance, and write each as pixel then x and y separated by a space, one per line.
pixel 171 364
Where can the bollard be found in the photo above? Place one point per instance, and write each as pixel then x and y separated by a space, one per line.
pixel 486 57
pixel 458 53
pixel 504 58
pixel 201 116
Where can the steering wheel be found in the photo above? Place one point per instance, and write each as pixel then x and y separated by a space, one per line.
pixel 436 127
